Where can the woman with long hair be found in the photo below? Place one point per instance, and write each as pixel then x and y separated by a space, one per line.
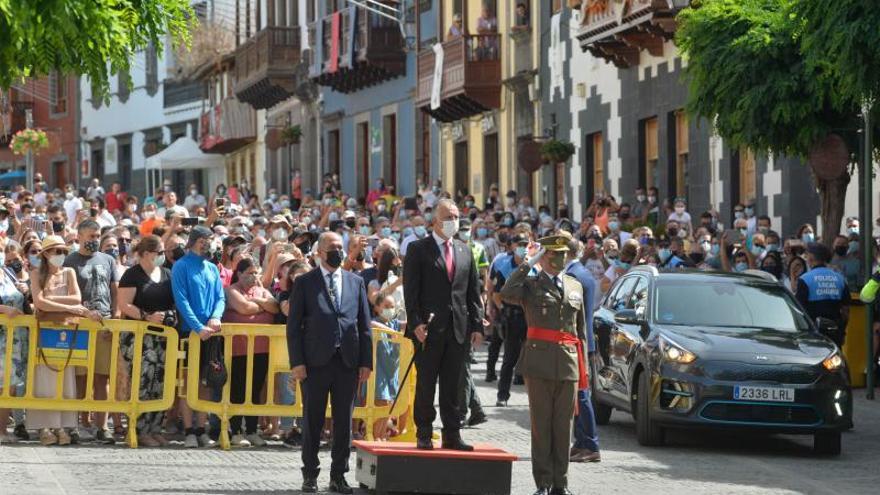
pixel 56 298
pixel 389 282
pixel 145 294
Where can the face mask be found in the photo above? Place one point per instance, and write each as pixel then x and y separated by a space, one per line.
pixel 464 235
pixel 387 313
pixel 429 216
pixel 482 232
pixel 744 232
pixel 193 192
pixel 420 231
pixel 402 215
pixel 621 264
pixel 520 252
pixel 261 233
pixel 652 199
pixel 808 237
pixel 749 211
pixel 450 227
pixel 34 260
pixel 772 247
pixel 469 204
pixel 221 191
pixel 133 207
pixel 350 223
pixel 380 208
pixel 280 234
pixel 91 246
pixel 285 203
pixel 160 260
pixel 853 246
pixel 364 230
pixel 673 232
pixel 149 214
pixel 706 246
pixel 644 240
pixel 69 195
pixel 333 216
pixel 16 266
pixel 640 198
pixel 738 215
pixel 614 226
pixel 757 250
pixel 664 254
pixel 764 230
pixel 853 231
pixel 386 232
pixel 407 231
pixel 113 252
pixel 333 258
pixel 56 260
pixel 841 250
pixel 557 261
pixel 741 267
pixel 679 210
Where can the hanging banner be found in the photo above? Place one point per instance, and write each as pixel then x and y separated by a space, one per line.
pixel 438 76
pixel 334 43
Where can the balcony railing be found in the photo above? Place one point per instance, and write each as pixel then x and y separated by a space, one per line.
pixel 227 126
pixel 369 50
pixel 618 31
pixel 265 66
pixel 182 92
pixel 15 120
pixel 471 77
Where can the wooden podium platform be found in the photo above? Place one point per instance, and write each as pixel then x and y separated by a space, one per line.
pixel 391 467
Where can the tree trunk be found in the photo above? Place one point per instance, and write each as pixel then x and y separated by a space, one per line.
pixel 832 198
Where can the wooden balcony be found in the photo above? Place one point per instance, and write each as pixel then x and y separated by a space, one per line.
pixel 619 31
pixel 471 80
pixel 227 126
pixel 15 120
pixel 369 50
pixel 265 66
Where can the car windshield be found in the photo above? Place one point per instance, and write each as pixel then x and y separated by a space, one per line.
pixel 727 304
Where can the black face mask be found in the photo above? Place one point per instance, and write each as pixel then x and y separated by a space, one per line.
pixel 672 232
pixel 350 223
pixel 16 266
pixel 334 258
pixel 177 253
pixel 57 227
pixel 841 250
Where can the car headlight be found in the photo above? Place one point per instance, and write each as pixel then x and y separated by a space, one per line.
pixel 833 362
pixel 675 353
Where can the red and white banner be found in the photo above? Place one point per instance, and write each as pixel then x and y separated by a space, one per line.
pixel 335 22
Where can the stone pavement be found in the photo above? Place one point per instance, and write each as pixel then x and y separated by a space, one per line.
pixel 693 463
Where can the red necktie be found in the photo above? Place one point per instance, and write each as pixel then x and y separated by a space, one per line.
pixel 450 260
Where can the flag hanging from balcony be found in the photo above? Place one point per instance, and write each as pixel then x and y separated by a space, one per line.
pixel 438 76
pixel 334 42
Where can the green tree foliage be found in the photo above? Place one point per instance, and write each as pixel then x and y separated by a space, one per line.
pixel 841 39
pixel 746 73
pixel 95 38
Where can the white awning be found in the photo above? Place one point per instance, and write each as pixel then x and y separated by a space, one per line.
pixel 184 154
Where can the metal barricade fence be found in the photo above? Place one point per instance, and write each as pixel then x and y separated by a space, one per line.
pixel 278 363
pixel 58 347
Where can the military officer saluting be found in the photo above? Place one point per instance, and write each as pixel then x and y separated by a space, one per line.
pixel 552 359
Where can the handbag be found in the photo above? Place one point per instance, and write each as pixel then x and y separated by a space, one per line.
pixel 214 372
pixel 57 340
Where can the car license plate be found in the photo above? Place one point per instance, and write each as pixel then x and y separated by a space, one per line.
pixel 769 394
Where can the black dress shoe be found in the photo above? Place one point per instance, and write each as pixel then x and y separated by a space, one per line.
pixel 491 377
pixel 339 485
pixel 310 485
pixel 424 443
pixel 560 491
pixel 453 441
pixel 542 491
pixel 477 418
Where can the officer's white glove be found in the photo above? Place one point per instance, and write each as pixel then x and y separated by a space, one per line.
pixel 537 257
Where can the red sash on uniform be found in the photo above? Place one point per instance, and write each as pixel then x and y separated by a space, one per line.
pixel 560 337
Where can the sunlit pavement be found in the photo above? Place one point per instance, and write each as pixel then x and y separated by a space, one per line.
pixel 692 462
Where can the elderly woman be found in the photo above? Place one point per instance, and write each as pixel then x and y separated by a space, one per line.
pixel 56 298
pixel 12 303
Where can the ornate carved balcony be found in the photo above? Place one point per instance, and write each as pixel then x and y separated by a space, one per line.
pixel 356 49
pixel 617 30
pixel 227 126
pixel 14 120
pixel 471 78
pixel 265 66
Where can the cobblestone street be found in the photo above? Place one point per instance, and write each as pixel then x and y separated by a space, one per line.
pixel 694 463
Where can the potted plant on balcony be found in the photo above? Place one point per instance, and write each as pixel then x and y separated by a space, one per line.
pixel 291 134
pixel 25 140
pixel 556 151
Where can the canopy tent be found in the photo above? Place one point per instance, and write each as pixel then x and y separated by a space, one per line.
pixel 184 154
pixel 13 177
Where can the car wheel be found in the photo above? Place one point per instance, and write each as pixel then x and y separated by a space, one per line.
pixel 648 432
pixel 602 412
pixel 827 443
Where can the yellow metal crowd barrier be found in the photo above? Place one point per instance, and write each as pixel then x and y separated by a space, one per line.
pixel 279 363
pixel 59 346
pixel 854 346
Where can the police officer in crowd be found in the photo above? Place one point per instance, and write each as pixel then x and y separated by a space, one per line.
pixel 552 360
pixel 513 320
pixel 823 291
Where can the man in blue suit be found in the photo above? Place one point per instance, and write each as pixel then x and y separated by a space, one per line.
pixel 586 435
pixel 330 348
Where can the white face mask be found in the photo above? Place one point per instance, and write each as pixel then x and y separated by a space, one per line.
pixel 387 314
pixel 57 260
pixel 450 227
pixel 279 234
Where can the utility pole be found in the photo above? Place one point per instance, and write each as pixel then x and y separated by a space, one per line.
pixel 29 158
pixel 865 227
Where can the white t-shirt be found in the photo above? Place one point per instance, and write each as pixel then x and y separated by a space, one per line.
pixel 71 207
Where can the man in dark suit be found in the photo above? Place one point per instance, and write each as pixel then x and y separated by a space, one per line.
pixel 330 348
pixel 440 279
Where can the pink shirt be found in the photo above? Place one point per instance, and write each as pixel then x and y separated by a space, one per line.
pixel 239 344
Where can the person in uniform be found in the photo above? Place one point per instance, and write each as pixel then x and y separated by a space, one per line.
pixel 823 291
pixel 513 320
pixel 552 359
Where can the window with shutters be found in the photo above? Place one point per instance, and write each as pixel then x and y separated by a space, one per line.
pixel 598 163
pixel 57 93
pixel 123 81
pixel 151 68
pixel 681 152
pixel 651 151
pixel 747 181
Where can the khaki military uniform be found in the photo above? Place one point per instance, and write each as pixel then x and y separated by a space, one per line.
pixel 550 368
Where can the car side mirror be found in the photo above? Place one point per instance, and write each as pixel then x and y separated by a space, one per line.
pixel 628 317
pixel 826 326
